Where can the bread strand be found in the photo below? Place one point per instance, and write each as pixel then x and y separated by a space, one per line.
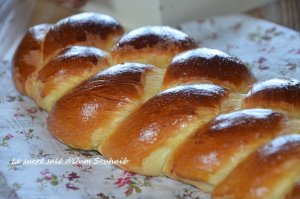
pixel 183 111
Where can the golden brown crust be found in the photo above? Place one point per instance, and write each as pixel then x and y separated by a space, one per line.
pixel 269 173
pixel 210 153
pixel 67 70
pixel 203 65
pixel 95 102
pixel 157 121
pixel 283 94
pixel 88 29
pixel 105 111
pixel 151 44
pixel 28 57
pixel 151 36
pixel 72 60
pixel 295 192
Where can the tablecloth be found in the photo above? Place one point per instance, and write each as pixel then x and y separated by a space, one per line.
pixel 35 165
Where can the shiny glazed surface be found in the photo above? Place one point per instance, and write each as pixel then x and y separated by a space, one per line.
pixel 159 119
pixel 216 144
pixel 209 65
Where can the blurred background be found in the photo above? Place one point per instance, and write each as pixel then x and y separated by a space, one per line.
pixel 16 16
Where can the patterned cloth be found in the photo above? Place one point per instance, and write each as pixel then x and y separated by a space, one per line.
pixel 62 172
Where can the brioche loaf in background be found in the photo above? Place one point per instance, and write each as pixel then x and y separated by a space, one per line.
pixel 152 95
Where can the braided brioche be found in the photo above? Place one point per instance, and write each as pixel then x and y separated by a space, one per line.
pixel 101 102
pixel 28 59
pixel 270 172
pixel 85 29
pixel 152 95
pixel 151 45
